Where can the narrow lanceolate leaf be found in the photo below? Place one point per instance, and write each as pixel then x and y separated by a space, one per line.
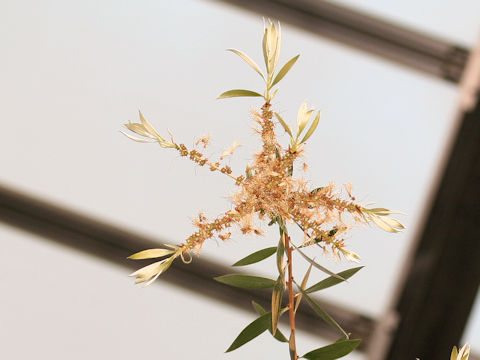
pixel 246 281
pixel 331 281
pixel 147 126
pixel 249 62
pixel 281 225
pixel 381 211
pixel 292 347
pixel 261 311
pixel 252 330
pixel 333 351
pixel 274 93
pixel 277 295
pixel 318 266
pixel 323 314
pixel 238 93
pixel 150 254
pixel 284 70
pixel 137 139
pixel 281 253
pixel 312 128
pixel 138 129
pixel 383 225
pixel 393 222
pixel 284 125
pixel 256 256
pixel 303 285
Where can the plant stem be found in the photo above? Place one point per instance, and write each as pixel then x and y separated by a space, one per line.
pixel 291 296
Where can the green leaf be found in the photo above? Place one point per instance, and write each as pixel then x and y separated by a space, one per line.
pixel 249 61
pixel 284 70
pixel 150 254
pixel 331 281
pixel 261 311
pixel 238 93
pixel 318 266
pixel 314 191
pixel 333 351
pixel 252 330
pixel 323 314
pixel 277 295
pixel 312 128
pixel 246 281
pixel 281 253
pixel 256 256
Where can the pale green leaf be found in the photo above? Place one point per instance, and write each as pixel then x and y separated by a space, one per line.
pixel 380 211
pixel 312 128
pixel 462 354
pixel 153 271
pixel 303 285
pixel 284 70
pixel 277 295
pixel 256 256
pixel 150 254
pixel 274 94
pixel 147 126
pixel 238 93
pixel 252 330
pixel 278 46
pixel 147 272
pixel 292 347
pixel 136 139
pixel 393 222
pixel 281 253
pixel 333 351
pixel 284 125
pixel 383 225
pixel 454 354
pixel 264 46
pixel 138 129
pixel 261 311
pixel 303 117
pixel 246 281
pixel 249 62
pixel 331 281
pixel 318 266
pixel 323 314
pixel 164 267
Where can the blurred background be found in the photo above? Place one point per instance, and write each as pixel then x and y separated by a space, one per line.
pixel 397 85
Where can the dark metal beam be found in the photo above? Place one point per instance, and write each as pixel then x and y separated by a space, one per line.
pixel 114 245
pixel 370 34
pixel 444 276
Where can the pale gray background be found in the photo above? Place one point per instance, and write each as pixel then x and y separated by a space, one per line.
pixel 73 72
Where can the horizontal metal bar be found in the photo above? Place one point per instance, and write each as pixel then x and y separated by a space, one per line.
pixel 114 244
pixel 354 28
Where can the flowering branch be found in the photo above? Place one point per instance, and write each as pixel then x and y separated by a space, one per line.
pixel 268 192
